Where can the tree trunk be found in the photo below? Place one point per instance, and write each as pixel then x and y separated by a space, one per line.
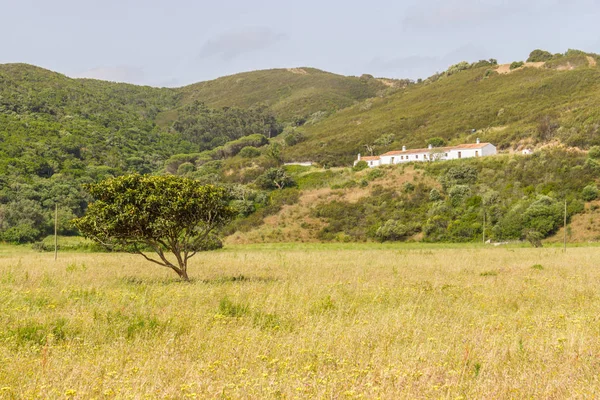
pixel 183 274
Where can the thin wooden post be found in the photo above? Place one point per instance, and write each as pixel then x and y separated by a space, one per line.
pixel 56 232
pixel 484 226
pixel 565 233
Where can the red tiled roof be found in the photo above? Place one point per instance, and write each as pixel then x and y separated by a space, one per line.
pixel 373 158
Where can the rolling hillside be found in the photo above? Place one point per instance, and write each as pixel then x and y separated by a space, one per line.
pixel 290 93
pixel 530 106
pixel 57 133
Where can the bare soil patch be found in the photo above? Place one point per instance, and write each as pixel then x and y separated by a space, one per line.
pixel 298 71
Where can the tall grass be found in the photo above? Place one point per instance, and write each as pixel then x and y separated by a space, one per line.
pixel 295 321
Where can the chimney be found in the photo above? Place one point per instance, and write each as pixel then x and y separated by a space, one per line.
pixel 403 148
pixel 430 146
pixel 477 140
pixel 358 156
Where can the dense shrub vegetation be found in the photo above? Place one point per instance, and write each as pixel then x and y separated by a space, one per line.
pixel 57 134
pixel 521 197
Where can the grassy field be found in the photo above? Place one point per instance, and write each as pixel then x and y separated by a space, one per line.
pixel 303 321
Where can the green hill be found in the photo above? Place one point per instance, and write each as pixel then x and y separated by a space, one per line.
pixel 57 133
pixel 528 106
pixel 290 93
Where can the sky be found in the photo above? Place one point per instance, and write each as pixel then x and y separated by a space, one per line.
pixel 179 42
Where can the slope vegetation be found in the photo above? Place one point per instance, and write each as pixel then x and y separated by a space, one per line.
pixel 290 93
pixel 530 106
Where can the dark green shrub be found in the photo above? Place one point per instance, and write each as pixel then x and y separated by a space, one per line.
pixel 392 230
pixel 375 173
pixel 185 168
pixel 436 142
pixel 434 195
pixel 275 178
pixel 516 64
pixel 539 56
pixel 360 166
pixel 458 193
pixel 249 152
pixel 589 193
pixel 594 152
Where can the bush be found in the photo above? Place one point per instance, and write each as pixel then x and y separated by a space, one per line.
pixel 458 193
pixel 436 142
pixel 589 193
pixel 275 178
pixel 249 152
pixel 392 230
pixel 543 216
pixel 434 195
pixel 459 175
pixel 374 174
pixel 185 168
pixel 539 56
pixel 293 138
pixel 594 152
pixel 516 64
pixel 360 166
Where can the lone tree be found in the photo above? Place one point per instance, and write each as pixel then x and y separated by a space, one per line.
pixel 167 214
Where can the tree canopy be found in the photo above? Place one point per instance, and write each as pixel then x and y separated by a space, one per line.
pixel 166 214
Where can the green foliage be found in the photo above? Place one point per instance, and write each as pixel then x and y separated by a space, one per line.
pixel 164 213
pixel 594 152
pixel 464 101
pixel 210 128
pixel 534 238
pixel 375 173
pixel 292 94
pixel 462 174
pixel 360 166
pixel 436 142
pixel 539 56
pixel 392 231
pixel 294 137
pixel 249 152
pixel 543 216
pixel 516 64
pixel 275 178
pixel 434 195
pixel 458 193
pixel 590 193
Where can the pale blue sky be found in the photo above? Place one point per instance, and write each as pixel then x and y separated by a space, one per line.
pixel 177 42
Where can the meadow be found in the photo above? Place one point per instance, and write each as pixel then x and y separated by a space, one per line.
pixel 303 321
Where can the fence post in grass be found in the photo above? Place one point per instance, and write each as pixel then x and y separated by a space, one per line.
pixel 55 231
pixel 565 228
pixel 484 226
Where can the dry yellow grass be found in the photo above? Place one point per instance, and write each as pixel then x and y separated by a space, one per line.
pixel 310 321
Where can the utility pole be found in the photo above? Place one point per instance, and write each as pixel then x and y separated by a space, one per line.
pixel 565 228
pixel 55 231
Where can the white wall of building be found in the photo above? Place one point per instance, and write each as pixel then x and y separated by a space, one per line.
pixel 433 155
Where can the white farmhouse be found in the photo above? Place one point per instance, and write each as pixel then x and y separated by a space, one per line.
pixel 477 149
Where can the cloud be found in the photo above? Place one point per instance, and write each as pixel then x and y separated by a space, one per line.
pixel 453 13
pixel 123 73
pixel 232 44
